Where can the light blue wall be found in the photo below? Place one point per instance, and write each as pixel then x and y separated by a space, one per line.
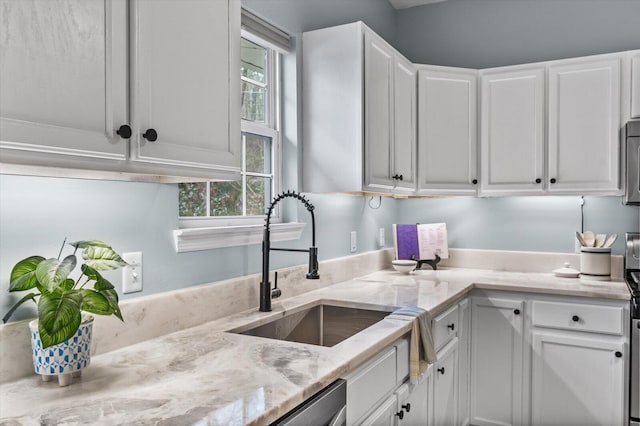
pixel 490 33
pixel 523 223
pixel 37 213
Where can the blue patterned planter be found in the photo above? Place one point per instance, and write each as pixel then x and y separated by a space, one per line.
pixel 65 360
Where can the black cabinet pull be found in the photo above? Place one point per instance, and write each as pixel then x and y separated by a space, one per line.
pixel 400 414
pixel 475 181
pixel 124 131
pixel 397 177
pixel 452 326
pixel 538 180
pixel 553 180
pixel 407 407
pixel 516 311
pixel 151 135
pixel 575 318
pixel 441 370
pixel 618 354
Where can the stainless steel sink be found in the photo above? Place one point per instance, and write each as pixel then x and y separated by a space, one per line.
pixel 323 325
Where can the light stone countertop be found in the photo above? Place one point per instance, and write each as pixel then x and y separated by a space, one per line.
pixel 206 375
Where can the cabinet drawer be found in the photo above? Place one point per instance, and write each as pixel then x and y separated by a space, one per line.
pixel 578 316
pixel 369 384
pixel 444 327
pixel 402 360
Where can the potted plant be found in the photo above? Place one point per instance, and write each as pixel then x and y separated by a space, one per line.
pixel 60 337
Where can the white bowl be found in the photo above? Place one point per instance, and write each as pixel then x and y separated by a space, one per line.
pixel 404 266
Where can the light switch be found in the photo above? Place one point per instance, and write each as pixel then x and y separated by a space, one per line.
pixel 354 242
pixel 132 274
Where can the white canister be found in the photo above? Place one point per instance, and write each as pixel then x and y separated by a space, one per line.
pixel 595 263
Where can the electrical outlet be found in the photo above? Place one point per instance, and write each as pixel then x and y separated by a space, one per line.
pixel 132 274
pixel 354 242
pixel 381 237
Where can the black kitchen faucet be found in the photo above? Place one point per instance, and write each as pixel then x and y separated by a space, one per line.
pixel 266 293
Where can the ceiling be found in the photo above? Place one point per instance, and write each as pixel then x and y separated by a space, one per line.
pixel 405 4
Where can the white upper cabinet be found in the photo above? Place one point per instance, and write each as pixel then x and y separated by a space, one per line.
pixel 378 110
pixel 584 125
pixel 512 130
pixel 63 80
pixel 184 54
pixel 404 124
pixel 635 84
pixel 447 129
pixel 71 69
pixel 358 113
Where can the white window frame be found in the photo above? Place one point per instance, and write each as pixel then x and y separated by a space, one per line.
pixel 201 233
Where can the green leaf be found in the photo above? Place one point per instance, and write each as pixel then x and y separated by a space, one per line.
pixel 112 297
pixel 89 243
pixel 105 288
pixel 23 274
pixel 51 273
pixel 30 296
pixel 58 316
pixel 95 302
pixel 68 284
pixel 102 258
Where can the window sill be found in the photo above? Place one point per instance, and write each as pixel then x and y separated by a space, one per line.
pixel 194 239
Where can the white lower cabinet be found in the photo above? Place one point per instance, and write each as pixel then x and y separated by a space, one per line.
pixel 445 385
pixel 464 341
pixel 548 360
pixel 576 379
pixel 578 362
pixel 497 331
pixel 416 402
pixel 385 414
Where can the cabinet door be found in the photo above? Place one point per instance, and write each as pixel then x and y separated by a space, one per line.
pixel 63 81
pixel 635 85
pixel 447 131
pixel 584 125
pixel 496 361
pixel 445 389
pixel 185 74
pixel 464 314
pixel 404 125
pixel 576 380
pixel 512 131
pixel 384 415
pixel 415 402
pixel 378 104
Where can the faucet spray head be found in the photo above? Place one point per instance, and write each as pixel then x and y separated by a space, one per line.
pixel 313 264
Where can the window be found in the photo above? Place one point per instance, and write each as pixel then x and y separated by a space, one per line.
pixel 246 200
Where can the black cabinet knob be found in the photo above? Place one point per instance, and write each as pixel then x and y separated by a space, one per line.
pixel 452 326
pixel 407 407
pixel 538 180
pixel 575 318
pixel 475 181
pixel 400 414
pixel 516 311
pixel 151 135
pixel 441 370
pixel 618 354
pixel 124 131
pixel 552 180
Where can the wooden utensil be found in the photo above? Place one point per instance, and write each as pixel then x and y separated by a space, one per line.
pixel 589 238
pixel 610 240
pixel 600 239
pixel 580 239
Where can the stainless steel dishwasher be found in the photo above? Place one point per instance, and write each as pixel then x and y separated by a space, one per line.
pixel 326 408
